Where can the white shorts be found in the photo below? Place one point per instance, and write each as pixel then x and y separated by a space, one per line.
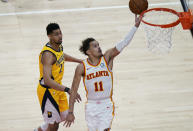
pixel 99 114
pixel 51 115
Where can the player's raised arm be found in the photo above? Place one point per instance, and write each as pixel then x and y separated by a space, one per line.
pixel 71 59
pixel 113 52
pixel 75 85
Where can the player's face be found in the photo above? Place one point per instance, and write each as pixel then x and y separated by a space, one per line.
pixel 56 36
pixel 95 49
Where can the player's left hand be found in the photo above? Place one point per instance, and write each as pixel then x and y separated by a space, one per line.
pixel 138 20
pixel 69 120
pixel 78 98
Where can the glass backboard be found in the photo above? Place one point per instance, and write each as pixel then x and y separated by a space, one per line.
pixel 187 4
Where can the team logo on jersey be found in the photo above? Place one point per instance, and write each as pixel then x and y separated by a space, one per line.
pixel 49 114
pixel 102 65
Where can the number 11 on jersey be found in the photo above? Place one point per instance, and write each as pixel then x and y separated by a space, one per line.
pixel 98 86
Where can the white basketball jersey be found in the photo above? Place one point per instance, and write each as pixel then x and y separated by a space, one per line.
pixel 98 80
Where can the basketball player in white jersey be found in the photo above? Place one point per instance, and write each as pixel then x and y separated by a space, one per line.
pixel 97 77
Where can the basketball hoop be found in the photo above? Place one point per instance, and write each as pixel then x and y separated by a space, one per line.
pixel 159 24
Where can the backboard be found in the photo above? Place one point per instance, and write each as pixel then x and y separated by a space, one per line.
pixel 187 4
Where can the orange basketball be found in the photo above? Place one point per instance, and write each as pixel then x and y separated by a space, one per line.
pixel 138 6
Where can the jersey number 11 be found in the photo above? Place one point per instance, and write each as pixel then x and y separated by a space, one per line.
pixel 98 86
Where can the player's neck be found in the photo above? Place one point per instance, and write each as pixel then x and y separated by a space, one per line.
pixel 54 46
pixel 94 60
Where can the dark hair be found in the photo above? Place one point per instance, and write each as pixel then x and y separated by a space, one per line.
pixel 85 45
pixel 52 26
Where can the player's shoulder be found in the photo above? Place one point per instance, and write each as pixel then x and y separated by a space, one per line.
pixel 47 53
pixel 50 48
pixel 48 58
pixel 80 68
pixel 80 65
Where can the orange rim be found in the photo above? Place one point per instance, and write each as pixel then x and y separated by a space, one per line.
pixel 163 25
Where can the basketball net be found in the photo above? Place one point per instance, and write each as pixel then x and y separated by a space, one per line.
pixel 159 24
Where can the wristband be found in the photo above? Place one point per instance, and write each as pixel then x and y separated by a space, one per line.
pixel 66 89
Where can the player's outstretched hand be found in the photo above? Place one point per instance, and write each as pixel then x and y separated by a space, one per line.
pixel 138 20
pixel 69 120
pixel 78 98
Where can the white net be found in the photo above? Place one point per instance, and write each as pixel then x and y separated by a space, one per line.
pixel 159 39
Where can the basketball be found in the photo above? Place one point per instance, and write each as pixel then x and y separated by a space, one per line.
pixel 138 6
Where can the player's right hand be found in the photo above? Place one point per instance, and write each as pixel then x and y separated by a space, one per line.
pixel 138 20
pixel 69 120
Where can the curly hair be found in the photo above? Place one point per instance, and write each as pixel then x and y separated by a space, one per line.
pixel 85 45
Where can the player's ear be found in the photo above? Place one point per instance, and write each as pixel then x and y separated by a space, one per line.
pixel 88 52
pixel 49 36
